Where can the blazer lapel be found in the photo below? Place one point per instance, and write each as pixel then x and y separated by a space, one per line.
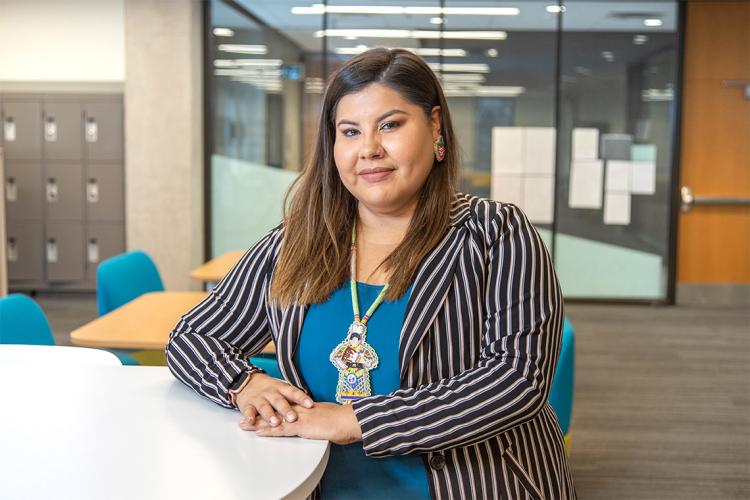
pixel 429 290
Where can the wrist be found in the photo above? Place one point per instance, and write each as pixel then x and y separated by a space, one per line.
pixel 354 431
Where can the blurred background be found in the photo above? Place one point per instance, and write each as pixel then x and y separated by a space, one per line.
pixel 622 128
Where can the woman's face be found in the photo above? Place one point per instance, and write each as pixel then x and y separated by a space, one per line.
pixel 383 147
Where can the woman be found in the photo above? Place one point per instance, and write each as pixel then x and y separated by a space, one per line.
pixel 445 378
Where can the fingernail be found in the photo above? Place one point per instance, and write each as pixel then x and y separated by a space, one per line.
pixel 260 431
pixel 290 417
pixel 308 403
pixel 274 421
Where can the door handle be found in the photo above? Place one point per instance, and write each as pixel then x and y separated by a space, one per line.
pixel 688 199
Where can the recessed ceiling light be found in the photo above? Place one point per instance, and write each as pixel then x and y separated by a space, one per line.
pixel 652 22
pixel 491 52
pixel 424 51
pixel 244 49
pixel 319 9
pixel 640 39
pixel 466 68
pixel 223 32
pixel 419 34
pixel 555 9
pixel 437 20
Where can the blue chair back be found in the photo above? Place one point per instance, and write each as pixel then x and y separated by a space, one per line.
pixel 125 277
pixel 561 393
pixel 22 321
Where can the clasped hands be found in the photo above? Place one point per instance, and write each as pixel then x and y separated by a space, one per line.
pixel 271 407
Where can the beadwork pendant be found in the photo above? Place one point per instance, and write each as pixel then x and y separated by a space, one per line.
pixel 354 358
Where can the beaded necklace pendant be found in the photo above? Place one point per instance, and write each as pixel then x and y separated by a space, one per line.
pixel 354 358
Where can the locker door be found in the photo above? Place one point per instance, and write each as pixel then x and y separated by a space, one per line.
pixel 104 193
pixel 103 130
pixel 63 191
pixel 22 130
pixel 61 129
pixel 23 191
pixel 24 251
pixel 63 250
pixel 102 242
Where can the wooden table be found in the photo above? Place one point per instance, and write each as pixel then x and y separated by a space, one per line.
pixel 124 432
pixel 143 323
pixel 215 269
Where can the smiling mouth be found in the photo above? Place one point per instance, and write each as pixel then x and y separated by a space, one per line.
pixel 376 170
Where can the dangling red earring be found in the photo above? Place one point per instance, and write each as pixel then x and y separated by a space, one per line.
pixel 439 148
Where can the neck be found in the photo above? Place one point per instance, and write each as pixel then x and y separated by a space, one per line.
pixel 384 228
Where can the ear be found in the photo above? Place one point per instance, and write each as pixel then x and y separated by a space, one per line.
pixel 436 123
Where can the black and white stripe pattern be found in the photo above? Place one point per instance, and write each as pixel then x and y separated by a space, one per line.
pixel 478 349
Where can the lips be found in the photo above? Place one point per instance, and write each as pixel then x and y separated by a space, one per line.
pixel 375 174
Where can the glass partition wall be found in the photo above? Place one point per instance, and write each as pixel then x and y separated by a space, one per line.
pixel 565 109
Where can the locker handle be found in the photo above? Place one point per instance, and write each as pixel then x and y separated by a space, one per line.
pixel 91 130
pixel 9 129
pixel 50 129
pixel 52 190
pixel 11 190
pixel 93 251
pixel 52 253
pixel 92 190
pixel 12 250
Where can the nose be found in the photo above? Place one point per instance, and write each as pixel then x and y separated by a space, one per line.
pixel 371 148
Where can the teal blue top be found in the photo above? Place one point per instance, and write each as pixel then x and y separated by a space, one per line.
pixel 351 474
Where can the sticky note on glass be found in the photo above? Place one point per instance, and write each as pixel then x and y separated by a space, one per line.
pixel 586 184
pixel 617 209
pixel 507 150
pixel 585 143
pixel 643 177
pixel 618 176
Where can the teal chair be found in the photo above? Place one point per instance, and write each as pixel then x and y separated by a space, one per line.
pixel 561 393
pixel 268 363
pixel 121 279
pixel 125 277
pixel 22 321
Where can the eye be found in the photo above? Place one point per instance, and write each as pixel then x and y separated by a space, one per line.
pixel 390 125
pixel 353 130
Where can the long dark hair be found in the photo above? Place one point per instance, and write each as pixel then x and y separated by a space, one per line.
pixel 319 210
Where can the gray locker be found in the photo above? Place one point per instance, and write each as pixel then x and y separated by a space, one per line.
pixel 63 252
pixel 63 191
pixel 102 242
pixel 61 129
pixel 24 251
pixel 103 130
pixel 104 193
pixel 23 191
pixel 22 130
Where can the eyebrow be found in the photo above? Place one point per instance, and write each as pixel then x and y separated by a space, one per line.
pixel 381 117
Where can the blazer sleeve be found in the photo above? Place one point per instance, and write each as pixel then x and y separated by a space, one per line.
pixel 209 346
pixel 511 381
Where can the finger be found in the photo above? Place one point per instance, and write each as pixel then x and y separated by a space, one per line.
pixel 267 412
pixel 297 396
pixel 286 429
pixel 281 405
pixel 253 425
pixel 249 412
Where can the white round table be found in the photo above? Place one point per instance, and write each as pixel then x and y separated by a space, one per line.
pixel 55 355
pixel 92 432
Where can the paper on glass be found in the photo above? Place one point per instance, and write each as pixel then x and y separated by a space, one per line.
pixel 585 184
pixel 507 188
pixel 643 152
pixel 585 143
pixel 507 150
pixel 539 150
pixel 618 176
pixel 617 208
pixel 539 198
pixel 643 177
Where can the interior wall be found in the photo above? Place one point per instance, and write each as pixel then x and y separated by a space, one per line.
pixel 164 138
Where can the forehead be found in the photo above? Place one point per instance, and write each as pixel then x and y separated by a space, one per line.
pixel 370 102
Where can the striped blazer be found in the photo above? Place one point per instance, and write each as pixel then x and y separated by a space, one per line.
pixel 478 349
